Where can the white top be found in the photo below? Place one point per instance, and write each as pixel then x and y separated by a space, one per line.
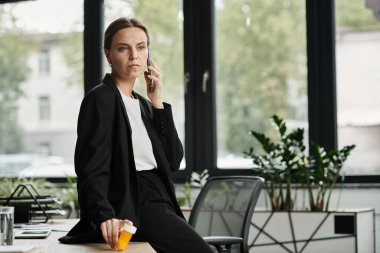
pixel 142 146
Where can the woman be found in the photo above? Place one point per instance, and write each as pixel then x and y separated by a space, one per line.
pixel 126 148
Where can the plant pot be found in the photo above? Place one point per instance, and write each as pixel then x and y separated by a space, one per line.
pixel 313 232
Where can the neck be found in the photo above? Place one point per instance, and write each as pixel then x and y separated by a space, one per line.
pixel 124 85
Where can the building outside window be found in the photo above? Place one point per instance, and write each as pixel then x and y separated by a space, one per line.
pixel 35 42
pixel 358 78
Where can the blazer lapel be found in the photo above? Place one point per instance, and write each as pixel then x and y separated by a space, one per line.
pixel 108 79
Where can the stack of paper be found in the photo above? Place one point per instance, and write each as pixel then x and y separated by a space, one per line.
pixel 32 226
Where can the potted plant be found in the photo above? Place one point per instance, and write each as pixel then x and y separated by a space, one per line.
pixel 282 163
pixel 197 180
pixel 288 169
pixel 323 174
pixel 285 164
pixel 69 197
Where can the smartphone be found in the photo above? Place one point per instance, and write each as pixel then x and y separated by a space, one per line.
pixel 151 86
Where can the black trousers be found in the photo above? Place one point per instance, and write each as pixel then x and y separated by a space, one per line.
pixel 159 225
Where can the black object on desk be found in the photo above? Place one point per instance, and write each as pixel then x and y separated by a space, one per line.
pixel 33 204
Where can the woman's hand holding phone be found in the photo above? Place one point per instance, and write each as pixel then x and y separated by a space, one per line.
pixel 154 84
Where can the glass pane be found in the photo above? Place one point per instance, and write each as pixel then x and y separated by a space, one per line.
pixel 164 20
pixel 358 79
pixel 261 71
pixel 41 86
pixel 44 63
pixel 44 104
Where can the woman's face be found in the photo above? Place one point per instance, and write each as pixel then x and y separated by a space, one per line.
pixel 128 53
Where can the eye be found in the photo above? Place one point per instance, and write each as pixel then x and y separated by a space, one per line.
pixel 141 47
pixel 121 49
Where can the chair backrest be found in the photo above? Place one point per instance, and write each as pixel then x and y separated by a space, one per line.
pixel 225 205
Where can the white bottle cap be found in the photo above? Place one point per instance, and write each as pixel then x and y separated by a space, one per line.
pixel 130 228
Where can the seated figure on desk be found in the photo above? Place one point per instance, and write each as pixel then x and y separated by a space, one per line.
pixel 126 148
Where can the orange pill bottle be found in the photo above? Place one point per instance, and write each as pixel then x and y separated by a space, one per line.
pixel 125 236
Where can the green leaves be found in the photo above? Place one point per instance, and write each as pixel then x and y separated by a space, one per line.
pixel 13 72
pixel 285 163
pixel 279 124
pixel 43 187
pixel 265 142
pixel 324 172
pixel 326 165
pixel 197 180
pixel 281 163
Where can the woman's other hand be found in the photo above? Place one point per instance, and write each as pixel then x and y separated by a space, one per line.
pixel 111 230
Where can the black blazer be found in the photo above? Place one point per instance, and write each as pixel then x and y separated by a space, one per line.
pixel 104 161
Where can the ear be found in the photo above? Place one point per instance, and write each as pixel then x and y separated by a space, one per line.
pixel 107 53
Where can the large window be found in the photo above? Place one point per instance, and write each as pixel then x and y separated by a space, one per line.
pixel 260 71
pixel 41 83
pixel 244 61
pixel 358 79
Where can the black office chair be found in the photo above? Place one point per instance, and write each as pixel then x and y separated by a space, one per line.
pixel 223 211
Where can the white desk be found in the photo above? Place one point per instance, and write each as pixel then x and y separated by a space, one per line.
pixel 51 243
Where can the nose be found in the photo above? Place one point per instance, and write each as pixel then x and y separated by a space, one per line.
pixel 133 54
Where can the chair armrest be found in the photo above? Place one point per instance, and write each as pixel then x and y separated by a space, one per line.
pixel 223 240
